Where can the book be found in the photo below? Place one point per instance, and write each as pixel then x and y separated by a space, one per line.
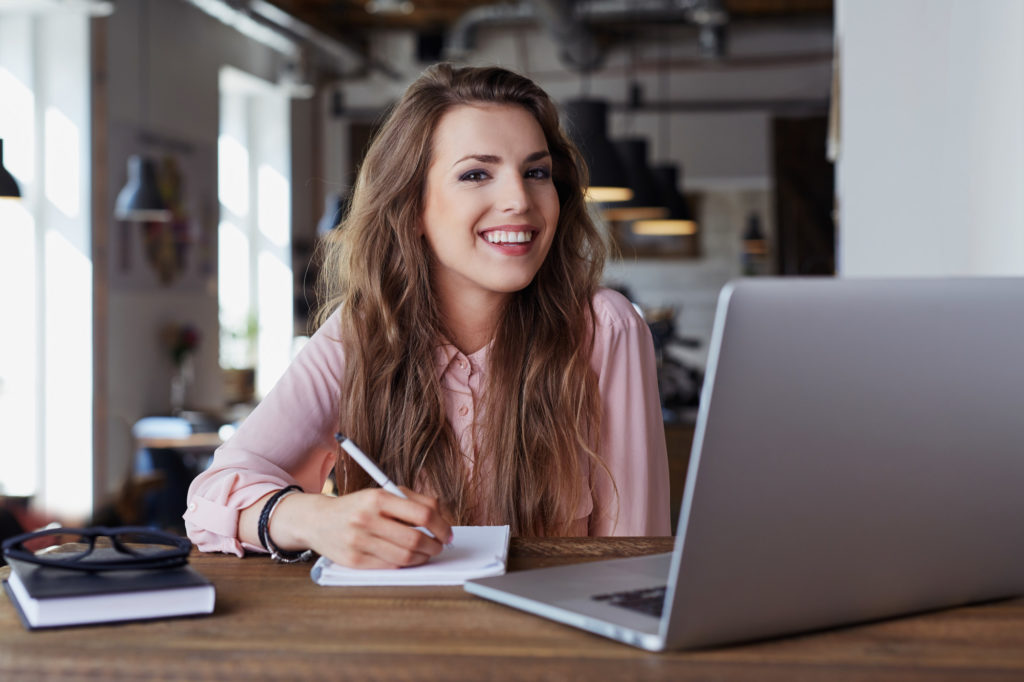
pixel 475 552
pixel 47 597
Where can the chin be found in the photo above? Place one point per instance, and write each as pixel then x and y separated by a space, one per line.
pixel 512 286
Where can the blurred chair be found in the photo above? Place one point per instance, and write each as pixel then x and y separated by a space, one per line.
pixel 163 506
pixel 9 526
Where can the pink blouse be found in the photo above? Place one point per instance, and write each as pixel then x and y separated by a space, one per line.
pixel 289 438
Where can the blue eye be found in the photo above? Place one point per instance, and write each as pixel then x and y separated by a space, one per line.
pixel 473 176
pixel 539 173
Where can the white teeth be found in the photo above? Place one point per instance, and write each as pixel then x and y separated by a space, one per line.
pixel 503 237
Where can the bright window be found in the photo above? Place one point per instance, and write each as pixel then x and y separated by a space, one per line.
pixel 254 242
pixel 46 355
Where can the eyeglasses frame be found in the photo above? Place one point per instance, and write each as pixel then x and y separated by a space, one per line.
pixel 176 554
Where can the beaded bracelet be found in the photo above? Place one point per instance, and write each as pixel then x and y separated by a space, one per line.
pixel 263 530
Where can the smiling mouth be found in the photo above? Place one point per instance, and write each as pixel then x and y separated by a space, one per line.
pixel 508 236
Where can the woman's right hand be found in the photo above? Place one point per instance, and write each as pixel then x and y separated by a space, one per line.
pixel 369 528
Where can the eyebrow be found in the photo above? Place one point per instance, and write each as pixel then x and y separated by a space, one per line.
pixel 491 158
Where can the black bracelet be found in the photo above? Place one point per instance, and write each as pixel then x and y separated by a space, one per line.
pixel 263 530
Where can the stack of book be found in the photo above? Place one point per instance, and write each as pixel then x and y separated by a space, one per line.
pixel 48 597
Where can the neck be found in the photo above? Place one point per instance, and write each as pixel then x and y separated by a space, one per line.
pixel 471 318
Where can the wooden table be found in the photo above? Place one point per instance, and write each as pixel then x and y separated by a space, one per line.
pixel 202 442
pixel 272 622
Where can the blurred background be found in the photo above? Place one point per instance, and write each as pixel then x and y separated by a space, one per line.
pixel 168 166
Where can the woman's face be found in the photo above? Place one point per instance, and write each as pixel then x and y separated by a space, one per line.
pixel 490 205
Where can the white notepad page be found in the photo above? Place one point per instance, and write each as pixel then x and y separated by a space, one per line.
pixel 475 552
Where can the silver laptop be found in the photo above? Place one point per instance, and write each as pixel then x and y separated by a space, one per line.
pixel 859 454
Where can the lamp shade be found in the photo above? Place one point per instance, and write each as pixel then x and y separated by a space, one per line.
pixel 680 220
pixel 140 200
pixel 588 125
pixel 8 185
pixel 646 201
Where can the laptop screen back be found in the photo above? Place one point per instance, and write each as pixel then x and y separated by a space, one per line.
pixel 859 454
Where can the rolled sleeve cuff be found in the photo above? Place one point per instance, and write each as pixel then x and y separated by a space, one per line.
pixel 213 526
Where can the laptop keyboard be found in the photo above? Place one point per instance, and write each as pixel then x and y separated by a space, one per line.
pixel 650 600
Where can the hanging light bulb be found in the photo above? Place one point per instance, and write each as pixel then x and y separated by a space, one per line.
pixel 140 199
pixel 680 220
pixel 646 202
pixel 8 185
pixel 588 125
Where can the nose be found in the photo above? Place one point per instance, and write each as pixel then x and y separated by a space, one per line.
pixel 515 198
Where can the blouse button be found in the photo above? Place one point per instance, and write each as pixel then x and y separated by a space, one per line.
pixel 463 411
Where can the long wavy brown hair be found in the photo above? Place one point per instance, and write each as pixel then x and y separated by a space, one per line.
pixel 541 415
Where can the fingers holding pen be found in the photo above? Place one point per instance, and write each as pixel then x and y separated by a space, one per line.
pixel 403 505
pixel 375 529
pixel 426 514
pixel 417 528
pixel 380 552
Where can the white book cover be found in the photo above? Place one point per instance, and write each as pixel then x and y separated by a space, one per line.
pixel 475 552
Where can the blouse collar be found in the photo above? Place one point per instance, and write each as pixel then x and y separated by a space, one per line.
pixel 446 354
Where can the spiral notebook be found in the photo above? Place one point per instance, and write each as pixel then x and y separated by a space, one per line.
pixel 475 552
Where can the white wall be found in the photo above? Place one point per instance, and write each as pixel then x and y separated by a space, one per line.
pixel 931 169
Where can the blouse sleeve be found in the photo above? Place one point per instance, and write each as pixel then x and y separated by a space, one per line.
pixel 287 440
pixel 632 431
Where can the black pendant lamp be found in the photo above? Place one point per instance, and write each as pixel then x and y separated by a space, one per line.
pixel 680 220
pixel 588 127
pixel 140 200
pixel 8 185
pixel 646 201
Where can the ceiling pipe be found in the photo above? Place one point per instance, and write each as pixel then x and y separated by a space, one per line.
pixel 569 23
pixel 336 52
pixel 460 39
pixel 577 47
pixel 699 12
pixel 92 8
pixel 233 13
pixel 274 28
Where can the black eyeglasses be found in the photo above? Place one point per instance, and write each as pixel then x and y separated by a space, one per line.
pixel 124 548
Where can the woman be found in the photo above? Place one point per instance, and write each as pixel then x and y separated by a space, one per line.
pixel 466 348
